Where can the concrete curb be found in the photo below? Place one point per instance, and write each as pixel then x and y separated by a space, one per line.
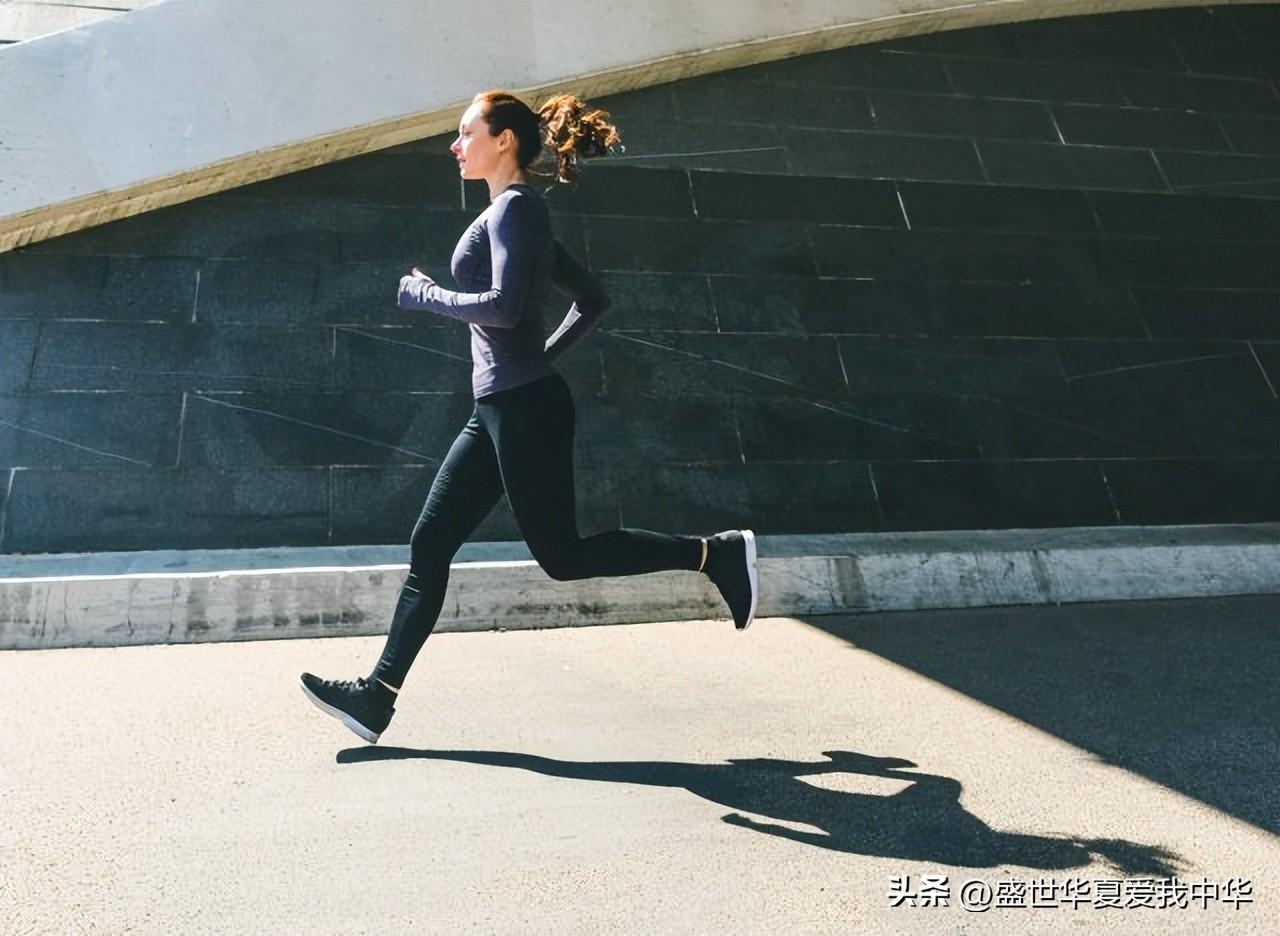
pixel 123 599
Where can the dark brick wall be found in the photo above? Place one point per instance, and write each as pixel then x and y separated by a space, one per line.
pixel 1020 276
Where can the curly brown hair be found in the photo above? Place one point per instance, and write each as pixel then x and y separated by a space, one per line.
pixel 565 124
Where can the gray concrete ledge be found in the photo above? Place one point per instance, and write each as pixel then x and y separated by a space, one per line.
pixel 118 599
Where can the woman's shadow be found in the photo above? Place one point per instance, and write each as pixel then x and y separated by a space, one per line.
pixel 923 822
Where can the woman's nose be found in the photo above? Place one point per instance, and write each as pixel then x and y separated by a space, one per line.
pixel 455 146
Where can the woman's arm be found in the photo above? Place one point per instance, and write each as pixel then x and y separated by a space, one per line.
pixel 589 302
pixel 513 235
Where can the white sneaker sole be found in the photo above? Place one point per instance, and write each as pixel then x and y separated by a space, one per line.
pixel 340 715
pixel 749 540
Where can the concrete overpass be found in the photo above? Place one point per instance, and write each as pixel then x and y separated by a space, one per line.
pixel 184 98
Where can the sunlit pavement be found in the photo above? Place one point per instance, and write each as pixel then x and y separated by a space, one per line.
pixel 1081 768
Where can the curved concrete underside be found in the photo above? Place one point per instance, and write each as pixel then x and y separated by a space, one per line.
pixel 183 99
pixel 22 20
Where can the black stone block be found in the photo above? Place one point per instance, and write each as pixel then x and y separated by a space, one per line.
pixel 882 156
pixel 1268 356
pixel 381 505
pixel 1133 126
pixel 769 498
pixel 1196 93
pixel 1225 55
pixel 1037 81
pixel 1221 174
pixel 956 255
pixel 1164 367
pixel 570 231
pixel 720 99
pixel 1181 313
pixel 645 104
pixel 862 67
pixel 991 495
pixel 1196 491
pixel 250 292
pixel 665 301
pixel 1079 425
pixel 950 366
pixel 1072 40
pixel 631 191
pixel 626 426
pixel 1232 426
pixel 364 294
pixel 45 286
pixel 698 247
pixel 1211 22
pixel 1065 310
pixel 422 179
pixel 1254 21
pixel 134 508
pixel 1070 167
pixel 1184 216
pixel 376 233
pixel 1260 135
pixel 226 430
pixel 701 144
pixel 1150 262
pixel 17 348
pixel 675 366
pixel 99 430
pixel 955 115
pixel 1001 210
pixel 740 197
pixel 111 356
pixel 583 367
pixel 1243 266
pixel 213 227
pixel 854 429
pixel 806 305
pixel 423 357
pixel 36 285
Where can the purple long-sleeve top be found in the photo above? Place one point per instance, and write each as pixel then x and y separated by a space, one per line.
pixel 507 265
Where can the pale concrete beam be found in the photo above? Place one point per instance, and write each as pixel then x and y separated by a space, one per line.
pixel 21 20
pixel 184 98
pixel 299 595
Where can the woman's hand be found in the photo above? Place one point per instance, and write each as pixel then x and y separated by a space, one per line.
pixel 413 289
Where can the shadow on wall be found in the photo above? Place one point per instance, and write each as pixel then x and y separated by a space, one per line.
pixel 924 822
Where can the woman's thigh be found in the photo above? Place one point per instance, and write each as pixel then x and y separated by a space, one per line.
pixel 466 488
pixel 533 440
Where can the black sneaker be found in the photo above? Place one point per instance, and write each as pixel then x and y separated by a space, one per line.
pixel 731 565
pixel 360 705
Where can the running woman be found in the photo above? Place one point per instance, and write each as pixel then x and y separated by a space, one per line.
pixel 519 439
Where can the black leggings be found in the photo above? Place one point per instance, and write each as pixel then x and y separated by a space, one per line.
pixel 519 441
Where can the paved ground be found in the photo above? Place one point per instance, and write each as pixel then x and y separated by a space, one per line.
pixel 669 778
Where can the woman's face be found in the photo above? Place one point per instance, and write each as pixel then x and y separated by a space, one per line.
pixel 478 153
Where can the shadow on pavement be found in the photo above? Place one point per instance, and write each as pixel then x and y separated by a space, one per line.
pixel 923 822
pixel 1181 692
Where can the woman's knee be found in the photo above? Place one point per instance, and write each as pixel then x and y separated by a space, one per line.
pixel 564 562
pixel 430 546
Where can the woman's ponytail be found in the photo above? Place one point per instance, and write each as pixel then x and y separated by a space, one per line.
pixel 574 133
